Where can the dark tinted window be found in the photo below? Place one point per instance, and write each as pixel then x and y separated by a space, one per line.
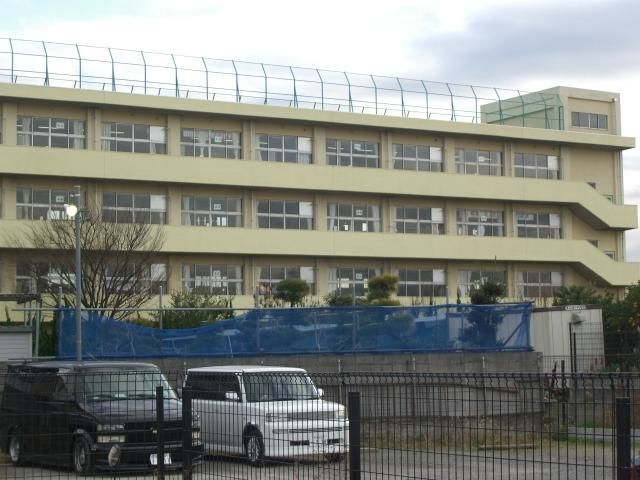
pixel 213 386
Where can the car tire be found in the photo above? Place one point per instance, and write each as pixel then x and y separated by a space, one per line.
pixel 16 448
pixel 334 457
pixel 81 457
pixel 254 448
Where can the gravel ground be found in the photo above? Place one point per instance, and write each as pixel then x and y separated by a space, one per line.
pixel 561 461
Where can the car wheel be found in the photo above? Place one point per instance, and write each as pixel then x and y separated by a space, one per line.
pixel 81 456
pixel 16 449
pixel 334 457
pixel 254 448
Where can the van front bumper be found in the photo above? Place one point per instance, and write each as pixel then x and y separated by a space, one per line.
pixel 138 457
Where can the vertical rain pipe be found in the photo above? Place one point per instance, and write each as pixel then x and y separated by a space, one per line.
pixel 522 103
pixel 206 76
pixel 46 64
pixel 426 95
pixel 113 72
pixel 11 46
pixel 475 115
pixel 321 87
pixel 79 66
pixel 349 84
pixel 175 68
pixel 266 87
pixel 401 95
pixel 375 91
pixel 237 84
pixel 499 105
pixel 295 92
pixel 453 108
pixel 144 61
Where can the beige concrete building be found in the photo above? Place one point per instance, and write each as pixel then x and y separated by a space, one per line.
pixel 249 194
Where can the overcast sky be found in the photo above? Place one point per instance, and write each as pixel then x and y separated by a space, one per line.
pixel 527 45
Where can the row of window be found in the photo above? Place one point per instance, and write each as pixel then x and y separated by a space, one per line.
pixel 228 279
pixel 122 207
pixel 143 138
pixel 589 120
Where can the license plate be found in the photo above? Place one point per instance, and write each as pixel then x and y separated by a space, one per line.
pixel 153 459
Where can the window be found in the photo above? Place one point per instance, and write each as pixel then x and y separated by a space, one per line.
pixel 137 277
pixel 270 275
pixel 346 280
pixel 40 277
pixel 530 165
pixel 478 162
pixel 420 220
pixel 216 279
pixel 538 225
pixel 589 120
pixel 345 217
pixel 539 284
pixel 196 142
pixel 417 157
pixel 481 223
pixel 51 132
pixel 43 203
pixel 422 283
pixel 284 148
pixel 213 386
pixel 137 138
pixel 211 211
pixel 593 242
pixel 611 254
pixel 352 153
pixel 285 214
pixel 121 207
pixel 468 279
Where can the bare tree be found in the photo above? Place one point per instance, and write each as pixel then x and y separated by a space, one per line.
pixel 118 261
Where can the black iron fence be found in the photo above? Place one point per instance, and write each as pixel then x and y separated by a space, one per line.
pixel 61 421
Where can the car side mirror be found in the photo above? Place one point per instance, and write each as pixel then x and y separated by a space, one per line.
pixel 231 396
pixel 320 392
pixel 179 392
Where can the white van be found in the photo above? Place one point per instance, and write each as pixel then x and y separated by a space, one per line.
pixel 260 412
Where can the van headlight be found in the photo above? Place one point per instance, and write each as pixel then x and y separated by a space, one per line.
pixel 110 434
pixel 340 414
pixel 276 417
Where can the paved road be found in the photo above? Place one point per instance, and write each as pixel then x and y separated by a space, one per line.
pixel 573 462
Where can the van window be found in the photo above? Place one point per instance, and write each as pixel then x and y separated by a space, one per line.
pixel 212 386
pixel 270 387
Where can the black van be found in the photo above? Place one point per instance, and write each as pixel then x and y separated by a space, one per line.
pixel 73 413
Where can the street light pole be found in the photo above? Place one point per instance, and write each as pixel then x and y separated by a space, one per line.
pixel 75 212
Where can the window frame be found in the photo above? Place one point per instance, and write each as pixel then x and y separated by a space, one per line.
pixel 520 167
pixel 50 134
pixel 423 226
pixel 118 214
pixel 266 146
pixel 211 217
pixel 266 285
pixel 468 162
pixel 466 284
pixel 273 217
pixel 532 280
pixel 425 288
pixel 138 144
pixel 336 282
pixel 482 227
pixel 523 230
pixel 210 147
pixel 336 154
pixel 212 284
pixel 410 157
pixel 336 221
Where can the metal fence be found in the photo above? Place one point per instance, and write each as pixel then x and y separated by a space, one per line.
pixel 162 74
pixel 259 423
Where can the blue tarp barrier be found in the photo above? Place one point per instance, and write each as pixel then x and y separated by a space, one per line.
pixel 440 328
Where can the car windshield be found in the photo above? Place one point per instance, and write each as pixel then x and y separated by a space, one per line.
pixel 272 386
pixel 118 384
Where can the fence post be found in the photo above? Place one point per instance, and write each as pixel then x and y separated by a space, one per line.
pixel 623 438
pixel 187 438
pixel 354 435
pixel 160 427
